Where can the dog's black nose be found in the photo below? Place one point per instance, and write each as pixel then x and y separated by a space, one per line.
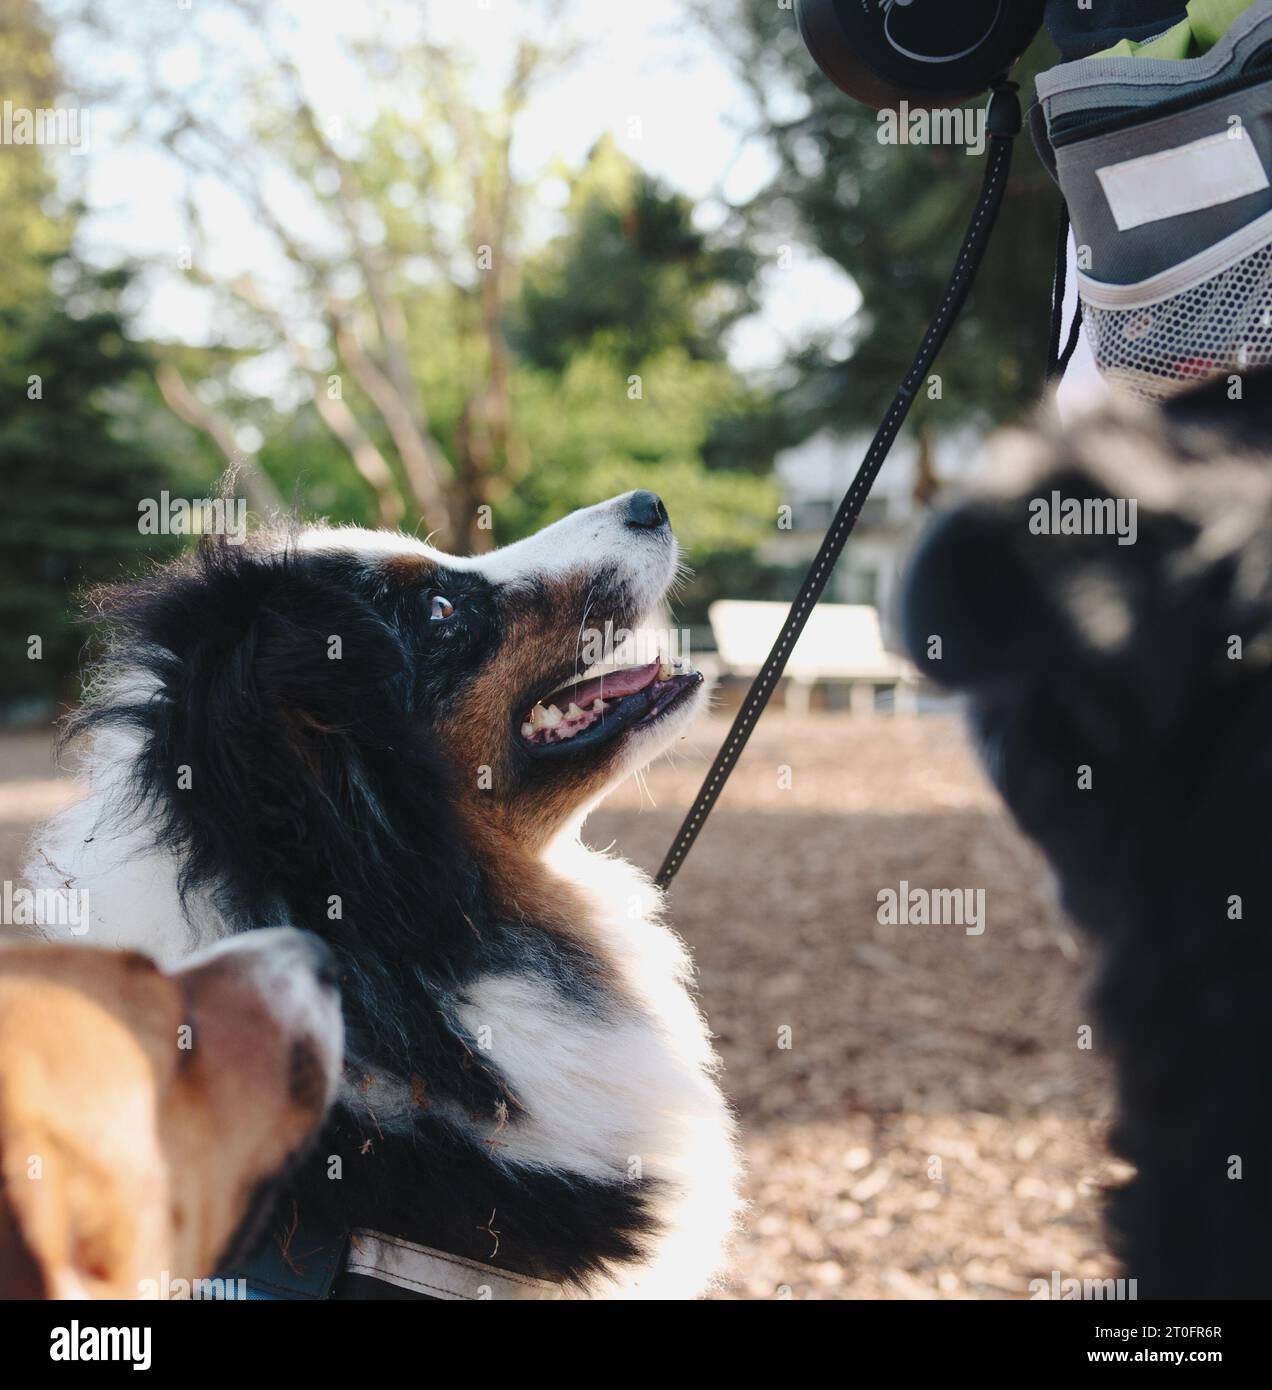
pixel 646 510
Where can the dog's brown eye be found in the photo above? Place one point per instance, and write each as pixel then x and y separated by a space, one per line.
pixel 441 610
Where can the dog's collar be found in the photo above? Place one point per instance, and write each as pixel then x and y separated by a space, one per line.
pixel 430 1273
pixel 320 1262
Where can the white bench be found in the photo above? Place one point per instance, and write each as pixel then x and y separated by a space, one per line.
pixel 841 642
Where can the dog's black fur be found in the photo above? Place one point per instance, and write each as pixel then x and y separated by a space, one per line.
pixel 1074 651
pixel 317 781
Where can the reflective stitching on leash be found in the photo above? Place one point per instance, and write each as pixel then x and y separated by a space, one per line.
pixel 965 267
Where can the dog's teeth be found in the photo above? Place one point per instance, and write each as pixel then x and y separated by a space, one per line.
pixel 665 671
pixel 548 722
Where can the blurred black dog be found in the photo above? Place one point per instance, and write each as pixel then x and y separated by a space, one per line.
pixel 1105 603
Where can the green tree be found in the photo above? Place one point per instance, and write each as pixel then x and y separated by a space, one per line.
pixel 76 465
pixel 892 217
pixel 624 381
pixel 32 231
pixel 632 266
pixel 389 250
pixel 437 352
pixel 72 421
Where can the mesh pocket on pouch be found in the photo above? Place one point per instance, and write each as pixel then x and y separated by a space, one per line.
pixel 1209 315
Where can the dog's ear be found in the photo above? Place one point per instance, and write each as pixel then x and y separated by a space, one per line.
pixel 973 614
pixel 271 635
pixel 22 1276
pixel 281 741
pixel 298 696
pixel 1123 624
pixel 266 663
pixel 30 1241
pixel 59 1236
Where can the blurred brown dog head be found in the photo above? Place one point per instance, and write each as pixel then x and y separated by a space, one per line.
pixel 143 1115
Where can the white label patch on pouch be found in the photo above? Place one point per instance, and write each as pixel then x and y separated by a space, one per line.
pixel 1203 174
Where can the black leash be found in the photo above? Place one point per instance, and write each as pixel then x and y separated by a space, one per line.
pixel 1058 284
pixel 1057 357
pixel 1004 126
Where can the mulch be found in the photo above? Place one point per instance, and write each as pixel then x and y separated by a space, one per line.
pixel 932 1129
pixel 917 1118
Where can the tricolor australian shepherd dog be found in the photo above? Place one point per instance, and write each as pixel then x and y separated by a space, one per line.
pixel 352 733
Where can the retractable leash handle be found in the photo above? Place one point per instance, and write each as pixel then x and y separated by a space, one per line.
pixel 1004 122
pixel 918 52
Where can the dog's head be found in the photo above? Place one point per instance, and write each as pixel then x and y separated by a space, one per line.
pixel 143 1115
pixel 494 652
pixel 1104 600
pixel 334 682
pixel 487 657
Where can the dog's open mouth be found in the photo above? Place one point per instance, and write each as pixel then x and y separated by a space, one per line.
pixel 591 712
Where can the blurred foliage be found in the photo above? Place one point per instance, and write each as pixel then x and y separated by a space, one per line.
pixel 76 461
pixel 623 382
pixel 892 218
pixel 548 379
pixel 595 440
pixel 72 414
pixel 33 230
pixel 632 267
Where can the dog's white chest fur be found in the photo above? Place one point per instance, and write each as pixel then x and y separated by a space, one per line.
pixel 623 1094
pixel 620 1096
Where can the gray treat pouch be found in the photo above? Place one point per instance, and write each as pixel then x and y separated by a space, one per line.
pixel 1165 168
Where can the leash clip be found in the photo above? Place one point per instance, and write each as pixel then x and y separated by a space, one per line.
pixel 1004 117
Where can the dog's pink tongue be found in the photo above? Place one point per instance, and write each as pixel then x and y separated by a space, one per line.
pixel 615 684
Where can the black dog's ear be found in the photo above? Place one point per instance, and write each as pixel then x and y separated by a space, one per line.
pixel 972 613
pixel 298 646
pixel 1119 620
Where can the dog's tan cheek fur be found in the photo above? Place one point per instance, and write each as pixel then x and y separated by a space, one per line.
pixel 409 569
pixel 480 726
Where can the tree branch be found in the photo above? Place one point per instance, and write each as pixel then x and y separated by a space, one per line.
pixel 262 495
